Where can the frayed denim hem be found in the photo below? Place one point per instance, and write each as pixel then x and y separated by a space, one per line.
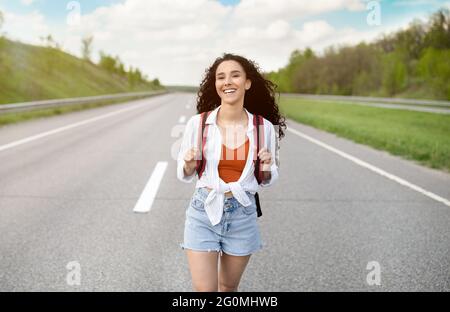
pixel 202 250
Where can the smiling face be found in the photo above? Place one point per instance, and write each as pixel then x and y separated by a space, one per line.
pixel 231 82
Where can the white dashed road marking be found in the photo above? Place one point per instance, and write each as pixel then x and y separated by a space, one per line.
pixel 145 202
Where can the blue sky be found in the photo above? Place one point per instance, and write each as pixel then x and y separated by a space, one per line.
pixel 159 35
pixel 54 10
pixel 392 10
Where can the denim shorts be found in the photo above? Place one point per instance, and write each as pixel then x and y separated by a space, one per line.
pixel 236 234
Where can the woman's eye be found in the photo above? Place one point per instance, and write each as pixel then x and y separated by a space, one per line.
pixel 234 76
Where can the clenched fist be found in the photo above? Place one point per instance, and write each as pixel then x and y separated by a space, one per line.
pixel 266 159
pixel 190 160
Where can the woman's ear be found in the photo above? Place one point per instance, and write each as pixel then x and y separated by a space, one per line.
pixel 248 84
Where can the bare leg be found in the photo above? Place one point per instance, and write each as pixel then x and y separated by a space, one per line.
pixel 230 272
pixel 203 267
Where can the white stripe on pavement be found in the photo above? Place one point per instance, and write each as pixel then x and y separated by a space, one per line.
pixel 373 168
pixel 182 119
pixel 71 126
pixel 145 202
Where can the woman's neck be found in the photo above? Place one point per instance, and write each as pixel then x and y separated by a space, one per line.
pixel 231 114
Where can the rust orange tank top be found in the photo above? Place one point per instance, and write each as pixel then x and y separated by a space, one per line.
pixel 232 162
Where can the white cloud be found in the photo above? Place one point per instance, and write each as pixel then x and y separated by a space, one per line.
pixel 260 11
pixel 25 27
pixel 191 34
pixel 314 31
pixel 278 29
pixel 27 2
pixel 176 40
pixel 163 33
pixel 417 2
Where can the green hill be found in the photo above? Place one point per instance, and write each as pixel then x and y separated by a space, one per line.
pixel 30 73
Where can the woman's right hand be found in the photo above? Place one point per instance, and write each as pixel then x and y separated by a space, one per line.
pixel 190 160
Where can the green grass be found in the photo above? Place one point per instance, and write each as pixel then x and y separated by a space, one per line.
pixel 31 73
pixel 420 136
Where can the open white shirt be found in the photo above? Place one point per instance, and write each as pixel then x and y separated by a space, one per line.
pixel 213 151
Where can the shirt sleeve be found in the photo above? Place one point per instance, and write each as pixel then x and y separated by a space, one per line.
pixel 187 143
pixel 272 147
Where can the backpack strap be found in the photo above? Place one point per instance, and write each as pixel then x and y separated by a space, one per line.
pixel 202 134
pixel 258 120
pixel 258 123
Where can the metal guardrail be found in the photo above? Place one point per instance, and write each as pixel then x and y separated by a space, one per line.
pixel 28 106
pixel 351 98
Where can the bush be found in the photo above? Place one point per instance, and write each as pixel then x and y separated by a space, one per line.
pixel 434 69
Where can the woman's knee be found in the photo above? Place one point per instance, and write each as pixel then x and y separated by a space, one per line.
pixel 224 287
pixel 204 287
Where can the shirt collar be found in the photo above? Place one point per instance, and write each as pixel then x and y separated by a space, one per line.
pixel 212 117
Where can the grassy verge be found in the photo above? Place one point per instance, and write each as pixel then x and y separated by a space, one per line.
pixel 10 118
pixel 32 73
pixel 419 136
pixel 400 104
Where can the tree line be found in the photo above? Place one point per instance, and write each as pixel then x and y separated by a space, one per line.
pixel 414 62
pixel 114 65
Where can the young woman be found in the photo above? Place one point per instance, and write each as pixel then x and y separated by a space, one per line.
pixel 221 220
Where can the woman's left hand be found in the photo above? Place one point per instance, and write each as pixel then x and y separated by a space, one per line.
pixel 266 159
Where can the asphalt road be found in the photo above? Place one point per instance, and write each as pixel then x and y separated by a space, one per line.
pixel 67 199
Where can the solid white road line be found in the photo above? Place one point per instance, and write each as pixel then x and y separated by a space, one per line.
pixel 71 126
pixel 182 119
pixel 373 168
pixel 145 202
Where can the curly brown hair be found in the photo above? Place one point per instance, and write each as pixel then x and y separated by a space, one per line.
pixel 259 99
